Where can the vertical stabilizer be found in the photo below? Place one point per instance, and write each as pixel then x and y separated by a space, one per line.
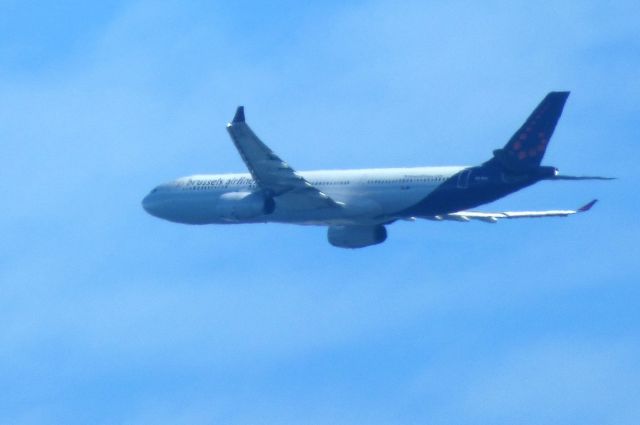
pixel 527 146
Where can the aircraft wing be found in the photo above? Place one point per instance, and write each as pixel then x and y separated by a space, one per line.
pixel 272 174
pixel 490 217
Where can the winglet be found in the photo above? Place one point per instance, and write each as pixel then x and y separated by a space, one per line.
pixel 588 206
pixel 239 116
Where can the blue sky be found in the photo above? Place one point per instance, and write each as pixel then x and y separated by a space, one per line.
pixel 111 316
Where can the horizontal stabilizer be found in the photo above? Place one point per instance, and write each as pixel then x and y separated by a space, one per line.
pixel 560 177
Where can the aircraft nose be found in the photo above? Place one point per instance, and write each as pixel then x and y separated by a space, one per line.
pixel 149 204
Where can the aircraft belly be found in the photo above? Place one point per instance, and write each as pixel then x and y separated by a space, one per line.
pixel 359 206
pixel 401 199
pixel 189 208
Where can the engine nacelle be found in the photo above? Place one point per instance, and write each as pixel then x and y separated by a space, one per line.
pixel 356 236
pixel 244 205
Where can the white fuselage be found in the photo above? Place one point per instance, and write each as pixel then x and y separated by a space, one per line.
pixel 369 196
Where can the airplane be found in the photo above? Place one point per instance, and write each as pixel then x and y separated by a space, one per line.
pixel 357 205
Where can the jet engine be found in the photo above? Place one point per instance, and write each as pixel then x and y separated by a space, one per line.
pixel 245 205
pixel 356 236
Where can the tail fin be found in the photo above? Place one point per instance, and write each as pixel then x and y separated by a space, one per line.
pixel 528 145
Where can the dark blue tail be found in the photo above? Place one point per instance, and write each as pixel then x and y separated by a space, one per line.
pixel 527 146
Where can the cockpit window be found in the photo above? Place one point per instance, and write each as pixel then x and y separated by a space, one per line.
pixel 154 190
